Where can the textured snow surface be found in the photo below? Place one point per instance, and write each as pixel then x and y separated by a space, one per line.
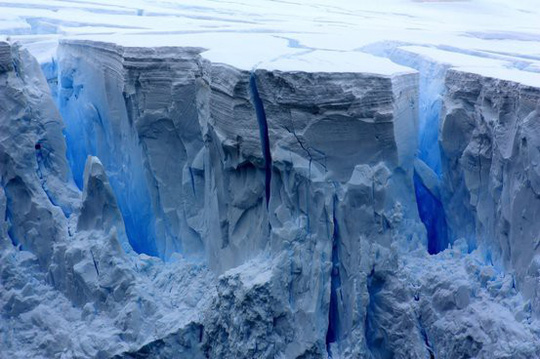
pixel 269 179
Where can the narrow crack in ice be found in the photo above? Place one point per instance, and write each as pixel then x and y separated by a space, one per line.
pixel 263 132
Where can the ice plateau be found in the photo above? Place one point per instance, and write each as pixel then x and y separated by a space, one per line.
pixel 268 179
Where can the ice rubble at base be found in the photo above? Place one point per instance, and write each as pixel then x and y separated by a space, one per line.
pixel 289 194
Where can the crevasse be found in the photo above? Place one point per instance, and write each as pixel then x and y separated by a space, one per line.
pixel 332 334
pixel 91 130
pixel 430 94
pixel 263 130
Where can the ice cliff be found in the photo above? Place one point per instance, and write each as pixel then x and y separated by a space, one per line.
pixel 491 171
pixel 71 284
pixel 166 199
pixel 268 184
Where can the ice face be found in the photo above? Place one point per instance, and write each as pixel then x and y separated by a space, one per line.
pixel 36 180
pixel 261 193
pixel 90 130
pixel 143 125
pixel 492 190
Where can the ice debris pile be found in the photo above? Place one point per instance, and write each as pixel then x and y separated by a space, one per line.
pixel 261 195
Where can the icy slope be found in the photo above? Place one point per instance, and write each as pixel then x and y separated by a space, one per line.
pixel 247 180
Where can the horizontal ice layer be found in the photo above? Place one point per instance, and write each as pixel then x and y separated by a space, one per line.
pixel 246 51
pixel 525 78
pixel 501 67
pixel 425 21
pixel 470 26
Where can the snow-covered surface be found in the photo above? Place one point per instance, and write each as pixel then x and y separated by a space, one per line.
pixel 265 179
pixel 287 32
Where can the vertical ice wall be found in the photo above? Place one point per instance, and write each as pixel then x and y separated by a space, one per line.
pixel 37 200
pixel 308 199
pixel 136 111
pixel 342 155
pixel 62 265
pixel 306 175
pixel 428 171
pixel 40 197
pixel 489 136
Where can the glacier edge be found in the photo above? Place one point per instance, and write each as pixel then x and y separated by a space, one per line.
pixel 255 262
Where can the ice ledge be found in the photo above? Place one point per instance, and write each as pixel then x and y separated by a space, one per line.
pixel 483 64
pixel 529 79
pixel 244 52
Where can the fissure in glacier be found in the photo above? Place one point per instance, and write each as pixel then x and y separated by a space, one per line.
pixel 430 207
pixel 332 334
pixel 431 91
pixel 263 132
pixel 432 214
pixel 7 220
pixel 376 336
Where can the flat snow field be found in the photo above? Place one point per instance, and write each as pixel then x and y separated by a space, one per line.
pixel 307 36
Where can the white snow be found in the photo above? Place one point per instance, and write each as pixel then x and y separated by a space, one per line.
pixel 339 27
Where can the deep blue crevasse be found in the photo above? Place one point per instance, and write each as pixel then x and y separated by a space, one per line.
pixel 7 218
pixel 429 117
pixel 432 215
pixel 332 334
pixel 430 208
pixel 83 125
pixel 263 132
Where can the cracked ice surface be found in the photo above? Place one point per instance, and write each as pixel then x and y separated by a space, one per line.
pixel 264 179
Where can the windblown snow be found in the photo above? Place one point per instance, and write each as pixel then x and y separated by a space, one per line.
pixel 269 179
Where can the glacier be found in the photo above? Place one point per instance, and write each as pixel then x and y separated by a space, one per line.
pixel 269 180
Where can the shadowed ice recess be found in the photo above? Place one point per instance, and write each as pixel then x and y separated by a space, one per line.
pixel 89 131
